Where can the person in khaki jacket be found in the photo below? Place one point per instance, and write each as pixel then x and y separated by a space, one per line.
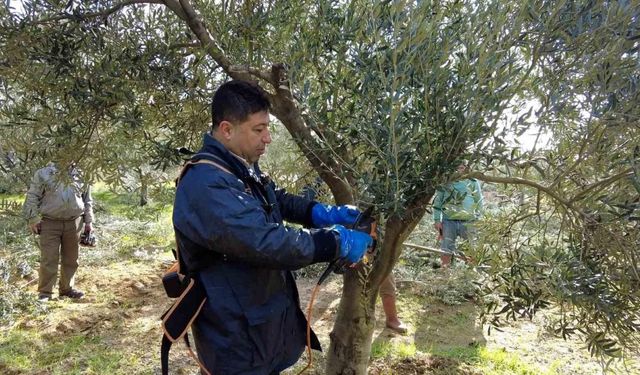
pixel 56 207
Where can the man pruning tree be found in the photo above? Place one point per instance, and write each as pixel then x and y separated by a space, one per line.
pixel 228 218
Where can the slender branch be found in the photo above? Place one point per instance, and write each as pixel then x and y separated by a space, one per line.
pixel 600 184
pixel 581 155
pixel 568 203
pixel 535 55
pixel 92 129
pixel 524 165
pixel 432 249
pixel 3 169
pixel 628 254
pixel 184 45
pixel 522 181
pixel 104 14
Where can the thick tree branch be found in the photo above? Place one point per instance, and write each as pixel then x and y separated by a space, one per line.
pixel 262 74
pixel 184 45
pixel 283 104
pixel 176 8
pixel 184 9
pixel 103 14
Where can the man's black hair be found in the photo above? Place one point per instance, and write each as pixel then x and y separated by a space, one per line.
pixel 235 101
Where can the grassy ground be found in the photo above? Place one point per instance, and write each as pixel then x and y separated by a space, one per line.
pixel 112 331
pixel 116 328
pixel 447 338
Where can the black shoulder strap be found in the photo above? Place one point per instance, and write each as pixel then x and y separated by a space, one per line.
pixel 199 158
pixel 204 158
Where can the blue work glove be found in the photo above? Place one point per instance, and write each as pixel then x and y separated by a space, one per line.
pixel 324 215
pixel 353 244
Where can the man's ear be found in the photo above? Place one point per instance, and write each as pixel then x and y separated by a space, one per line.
pixel 225 128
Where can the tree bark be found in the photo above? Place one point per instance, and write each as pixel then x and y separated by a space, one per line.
pixel 352 332
pixel 353 328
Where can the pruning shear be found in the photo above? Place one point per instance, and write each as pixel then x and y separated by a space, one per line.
pixel 364 223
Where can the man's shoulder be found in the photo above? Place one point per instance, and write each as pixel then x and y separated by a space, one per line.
pixel 207 174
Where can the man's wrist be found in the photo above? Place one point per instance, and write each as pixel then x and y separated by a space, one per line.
pixel 327 245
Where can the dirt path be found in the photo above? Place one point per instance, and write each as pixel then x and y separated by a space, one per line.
pixel 125 300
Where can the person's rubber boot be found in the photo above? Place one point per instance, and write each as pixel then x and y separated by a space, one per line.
pixel 446 261
pixel 391 315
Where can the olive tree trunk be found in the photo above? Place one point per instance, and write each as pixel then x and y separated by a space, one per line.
pixel 352 332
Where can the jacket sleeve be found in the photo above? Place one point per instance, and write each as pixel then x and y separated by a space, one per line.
pixel 437 206
pixel 294 208
pixel 31 208
pixel 87 216
pixel 213 210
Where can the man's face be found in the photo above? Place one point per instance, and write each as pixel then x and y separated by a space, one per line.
pixel 249 138
pixel 462 168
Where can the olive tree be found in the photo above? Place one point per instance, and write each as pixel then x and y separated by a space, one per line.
pixel 383 98
pixel 581 242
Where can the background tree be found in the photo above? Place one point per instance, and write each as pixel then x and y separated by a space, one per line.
pixel 580 247
pixel 383 98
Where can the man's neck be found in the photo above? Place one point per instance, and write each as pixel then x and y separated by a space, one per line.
pixel 243 160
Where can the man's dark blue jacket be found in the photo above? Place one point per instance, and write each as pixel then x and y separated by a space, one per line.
pixel 230 234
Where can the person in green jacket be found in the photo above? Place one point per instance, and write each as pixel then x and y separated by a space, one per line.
pixel 456 207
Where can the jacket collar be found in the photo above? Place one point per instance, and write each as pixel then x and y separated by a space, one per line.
pixel 239 167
